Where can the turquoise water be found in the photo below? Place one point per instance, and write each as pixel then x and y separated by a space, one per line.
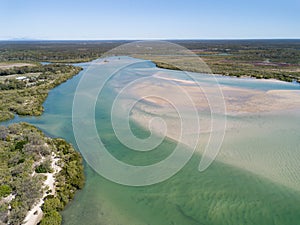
pixel 223 194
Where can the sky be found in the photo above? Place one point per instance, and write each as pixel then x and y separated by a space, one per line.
pixel 148 19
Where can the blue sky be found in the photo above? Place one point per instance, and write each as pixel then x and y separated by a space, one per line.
pixel 151 19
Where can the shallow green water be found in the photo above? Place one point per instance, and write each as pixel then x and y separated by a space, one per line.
pixel 223 194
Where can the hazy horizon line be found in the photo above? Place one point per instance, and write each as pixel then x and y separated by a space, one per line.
pixel 151 39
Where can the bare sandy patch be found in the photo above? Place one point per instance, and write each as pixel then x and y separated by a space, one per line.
pixel 35 215
pixel 9 65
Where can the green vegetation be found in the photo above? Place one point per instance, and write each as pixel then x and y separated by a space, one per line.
pixel 25 96
pixel 70 177
pixel 25 154
pixel 51 218
pixel 21 146
pixel 44 167
pixel 5 190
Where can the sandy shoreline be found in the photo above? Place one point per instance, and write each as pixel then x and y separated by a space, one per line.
pixel 35 215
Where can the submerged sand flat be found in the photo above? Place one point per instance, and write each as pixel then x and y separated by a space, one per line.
pixel 263 126
pixel 239 101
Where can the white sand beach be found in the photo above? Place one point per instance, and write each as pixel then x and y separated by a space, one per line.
pixel 35 215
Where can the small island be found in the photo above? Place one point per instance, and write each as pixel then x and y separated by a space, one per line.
pixel 39 175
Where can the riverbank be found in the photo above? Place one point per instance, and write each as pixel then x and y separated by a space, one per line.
pixel 23 90
pixel 278 75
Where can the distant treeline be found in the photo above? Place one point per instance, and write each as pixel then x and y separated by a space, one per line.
pixel 286 51
pixel 55 51
pixel 278 59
